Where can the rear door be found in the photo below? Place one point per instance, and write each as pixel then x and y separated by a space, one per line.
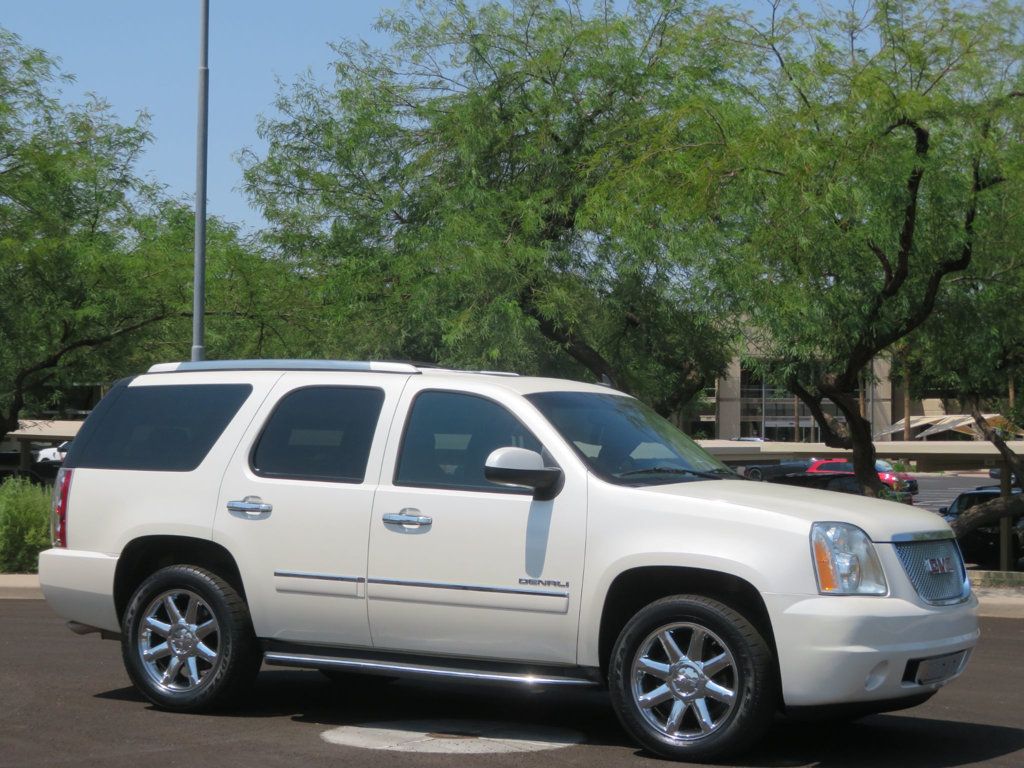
pixel 296 499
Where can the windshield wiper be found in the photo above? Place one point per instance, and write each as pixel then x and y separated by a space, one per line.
pixel 713 474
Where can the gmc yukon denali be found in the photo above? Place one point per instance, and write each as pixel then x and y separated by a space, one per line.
pixel 388 519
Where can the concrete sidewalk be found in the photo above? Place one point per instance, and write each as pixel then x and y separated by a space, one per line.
pixel 19 586
pixel 1005 602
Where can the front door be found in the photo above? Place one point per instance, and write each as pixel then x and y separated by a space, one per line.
pixel 459 565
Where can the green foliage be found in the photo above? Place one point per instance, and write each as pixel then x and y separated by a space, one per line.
pixel 492 191
pixel 887 142
pixel 96 265
pixel 622 192
pixel 24 525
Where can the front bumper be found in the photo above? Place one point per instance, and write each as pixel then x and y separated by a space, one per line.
pixel 79 586
pixel 849 649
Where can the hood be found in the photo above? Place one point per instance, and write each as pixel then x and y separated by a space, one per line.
pixel 880 520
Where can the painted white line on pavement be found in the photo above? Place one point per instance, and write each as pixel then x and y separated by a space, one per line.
pixel 465 737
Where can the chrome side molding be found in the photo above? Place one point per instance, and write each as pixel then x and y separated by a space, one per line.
pixel 422 670
pixel 319 576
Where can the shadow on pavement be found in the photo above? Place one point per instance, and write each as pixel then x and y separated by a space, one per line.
pixel 881 741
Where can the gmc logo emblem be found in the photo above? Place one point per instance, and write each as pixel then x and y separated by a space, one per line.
pixel 938 565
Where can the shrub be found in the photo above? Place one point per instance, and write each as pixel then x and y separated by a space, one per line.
pixel 24 525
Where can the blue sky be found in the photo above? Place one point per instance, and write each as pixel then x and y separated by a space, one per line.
pixel 143 55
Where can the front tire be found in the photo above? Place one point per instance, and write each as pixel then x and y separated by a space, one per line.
pixel 692 679
pixel 187 640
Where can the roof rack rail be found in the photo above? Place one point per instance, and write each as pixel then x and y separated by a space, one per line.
pixel 284 365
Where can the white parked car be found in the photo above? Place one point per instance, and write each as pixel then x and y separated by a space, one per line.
pixel 386 519
pixel 54 454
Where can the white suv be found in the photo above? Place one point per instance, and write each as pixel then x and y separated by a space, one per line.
pixel 389 519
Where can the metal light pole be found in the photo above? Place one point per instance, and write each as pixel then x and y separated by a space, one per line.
pixel 199 285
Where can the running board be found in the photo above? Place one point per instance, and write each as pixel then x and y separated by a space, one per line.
pixel 422 670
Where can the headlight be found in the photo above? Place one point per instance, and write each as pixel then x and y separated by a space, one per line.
pixel 845 561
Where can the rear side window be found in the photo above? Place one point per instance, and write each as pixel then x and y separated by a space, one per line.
pixel 319 433
pixel 158 428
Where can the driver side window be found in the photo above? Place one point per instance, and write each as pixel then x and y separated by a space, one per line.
pixel 449 436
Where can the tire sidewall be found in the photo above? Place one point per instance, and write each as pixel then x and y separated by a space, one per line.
pixel 756 682
pixel 233 636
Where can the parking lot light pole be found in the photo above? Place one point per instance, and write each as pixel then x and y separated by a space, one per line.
pixel 199 277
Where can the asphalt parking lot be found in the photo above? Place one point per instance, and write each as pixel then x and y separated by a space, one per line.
pixel 65 700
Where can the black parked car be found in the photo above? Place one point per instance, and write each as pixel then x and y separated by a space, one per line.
pixel 769 471
pixel 981 546
pixel 843 482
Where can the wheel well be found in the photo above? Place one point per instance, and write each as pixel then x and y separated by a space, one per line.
pixel 145 556
pixel 636 588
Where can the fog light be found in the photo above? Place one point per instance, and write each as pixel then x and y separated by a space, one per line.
pixel 877 676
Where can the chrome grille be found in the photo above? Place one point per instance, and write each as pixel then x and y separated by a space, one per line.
pixel 924 560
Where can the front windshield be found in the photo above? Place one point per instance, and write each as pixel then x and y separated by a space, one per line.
pixel 625 442
pixel 883 466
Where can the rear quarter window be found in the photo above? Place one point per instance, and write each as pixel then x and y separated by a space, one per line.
pixel 319 433
pixel 168 428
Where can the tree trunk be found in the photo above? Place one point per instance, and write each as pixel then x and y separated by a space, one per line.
pixel 8 423
pixel 988 513
pixel 862 444
pixel 1010 459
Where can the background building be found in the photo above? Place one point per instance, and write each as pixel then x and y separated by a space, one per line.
pixel 743 405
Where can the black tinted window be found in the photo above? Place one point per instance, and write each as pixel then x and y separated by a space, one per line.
pixel 165 428
pixel 450 435
pixel 320 433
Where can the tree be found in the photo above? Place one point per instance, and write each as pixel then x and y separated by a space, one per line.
pixel 886 134
pixel 463 195
pixel 71 280
pixel 96 265
pixel 972 349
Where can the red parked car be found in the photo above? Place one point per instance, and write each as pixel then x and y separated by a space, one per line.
pixel 897 481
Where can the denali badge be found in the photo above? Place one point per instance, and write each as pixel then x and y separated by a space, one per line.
pixel 544 583
pixel 938 565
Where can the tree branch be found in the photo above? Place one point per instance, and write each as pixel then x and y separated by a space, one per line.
pixel 574 346
pixel 832 432
pixel 52 360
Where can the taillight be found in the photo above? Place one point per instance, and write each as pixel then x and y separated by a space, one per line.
pixel 59 515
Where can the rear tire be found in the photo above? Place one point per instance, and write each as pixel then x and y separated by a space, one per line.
pixel 754 474
pixel 691 679
pixel 187 640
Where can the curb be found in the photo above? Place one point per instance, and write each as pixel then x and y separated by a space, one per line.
pixel 20 586
pixel 1010 580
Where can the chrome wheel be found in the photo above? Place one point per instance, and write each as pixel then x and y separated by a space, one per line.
pixel 179 641
pixel 684 681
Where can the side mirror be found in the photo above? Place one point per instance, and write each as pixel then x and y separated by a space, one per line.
pixel 943 510
pixel 523 468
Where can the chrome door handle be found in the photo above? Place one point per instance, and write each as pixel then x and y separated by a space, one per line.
pixel 406 517
pixel 253 506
